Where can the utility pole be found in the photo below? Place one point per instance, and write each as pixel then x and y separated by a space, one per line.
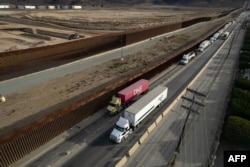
pixel 177 149
pixel 193 101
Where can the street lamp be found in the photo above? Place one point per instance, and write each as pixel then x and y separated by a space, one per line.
pixel 2 99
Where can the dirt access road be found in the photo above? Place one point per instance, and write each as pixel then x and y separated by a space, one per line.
pixel 40 100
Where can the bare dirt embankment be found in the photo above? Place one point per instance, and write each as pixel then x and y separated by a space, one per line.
pixel 30 103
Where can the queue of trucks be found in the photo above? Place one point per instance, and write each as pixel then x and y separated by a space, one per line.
pixel 204 44
pixel 137 112
pixel 224 34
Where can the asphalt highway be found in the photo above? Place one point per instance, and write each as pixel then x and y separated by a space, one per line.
pixel 107 153
pixel 205 123
pixel 93 145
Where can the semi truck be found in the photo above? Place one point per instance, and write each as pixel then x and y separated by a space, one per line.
pixel 225 35
pixel 214 37
pixel 187 57
pixel 204 45
pixel 137 112
pixel 124 97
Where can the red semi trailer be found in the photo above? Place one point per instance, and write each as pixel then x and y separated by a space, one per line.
pixel 126 95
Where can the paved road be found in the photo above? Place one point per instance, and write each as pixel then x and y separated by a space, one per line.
pixel 202 138
pixel 108 154
pixel 201 131
pixel 92 143
pixel 28 81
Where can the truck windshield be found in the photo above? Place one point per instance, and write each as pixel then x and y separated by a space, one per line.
pixel 112 104
pixel 120 128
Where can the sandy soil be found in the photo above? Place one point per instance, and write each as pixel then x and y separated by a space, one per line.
pixel 41 100
pixel 87 22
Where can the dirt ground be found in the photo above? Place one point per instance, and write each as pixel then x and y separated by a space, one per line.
pixel 41 99
pixel 87 22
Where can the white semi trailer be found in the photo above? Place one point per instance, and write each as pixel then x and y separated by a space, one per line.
pixel 214 37
pixel 134 114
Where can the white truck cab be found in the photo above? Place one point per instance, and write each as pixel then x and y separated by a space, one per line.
pixel 121 130
pixel 187 57
pixel 225 35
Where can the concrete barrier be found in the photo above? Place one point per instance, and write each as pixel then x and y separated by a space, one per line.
pixel 158 120
pixel 133 149
pixel 143 138
pixel 122 162
pixel 166 111
pixel 151 128
pixel 174 102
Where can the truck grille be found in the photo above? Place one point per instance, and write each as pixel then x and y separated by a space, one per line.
pixel 113 138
